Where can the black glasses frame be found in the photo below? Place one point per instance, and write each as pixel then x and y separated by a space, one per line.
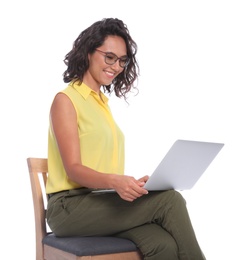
pixel 110 58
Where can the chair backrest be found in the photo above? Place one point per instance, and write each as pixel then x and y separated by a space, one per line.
pixel 38 171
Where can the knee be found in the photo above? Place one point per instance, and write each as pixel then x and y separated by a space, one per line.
pixel 173 252
pixel 170 249
pixel 166 249
pixel 177 197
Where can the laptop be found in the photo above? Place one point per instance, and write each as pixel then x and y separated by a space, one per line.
pixel 182 166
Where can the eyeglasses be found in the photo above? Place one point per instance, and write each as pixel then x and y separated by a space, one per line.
pixel 111 58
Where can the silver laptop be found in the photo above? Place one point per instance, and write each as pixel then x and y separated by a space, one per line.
pixel 182 166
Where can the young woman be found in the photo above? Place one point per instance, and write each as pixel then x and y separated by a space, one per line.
pixel 86 152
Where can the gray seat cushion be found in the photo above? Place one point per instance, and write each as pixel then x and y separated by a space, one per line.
pixel 84 246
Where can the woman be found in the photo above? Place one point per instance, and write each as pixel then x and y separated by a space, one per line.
pixel 86 152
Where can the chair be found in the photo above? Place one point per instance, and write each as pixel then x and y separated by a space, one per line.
pixel 50 247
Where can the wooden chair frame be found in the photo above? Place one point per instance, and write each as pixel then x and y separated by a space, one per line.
pixel 38 167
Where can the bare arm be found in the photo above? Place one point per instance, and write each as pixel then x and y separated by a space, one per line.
pixel 63 117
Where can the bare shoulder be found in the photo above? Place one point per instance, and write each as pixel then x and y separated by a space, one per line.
pixel 61 99
pixel 61 102
pixel 62 107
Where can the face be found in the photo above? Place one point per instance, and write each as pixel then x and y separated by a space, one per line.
pixel 99 72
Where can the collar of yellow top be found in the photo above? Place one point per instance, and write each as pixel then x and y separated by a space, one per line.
pixel 85 91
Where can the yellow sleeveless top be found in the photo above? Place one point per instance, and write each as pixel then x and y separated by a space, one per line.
pixel 101 140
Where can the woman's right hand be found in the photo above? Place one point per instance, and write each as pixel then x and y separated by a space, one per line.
pixel 129 188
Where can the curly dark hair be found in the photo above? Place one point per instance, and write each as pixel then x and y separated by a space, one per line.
pixel 88 41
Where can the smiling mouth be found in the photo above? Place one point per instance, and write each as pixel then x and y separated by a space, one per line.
pixel 110 74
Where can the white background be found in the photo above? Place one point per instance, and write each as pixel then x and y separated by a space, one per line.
pixel 191 57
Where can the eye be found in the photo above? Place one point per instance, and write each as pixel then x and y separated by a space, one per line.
pixel 110 56
pixel 124 59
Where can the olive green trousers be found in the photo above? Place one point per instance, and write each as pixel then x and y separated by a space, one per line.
pixel 158 223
